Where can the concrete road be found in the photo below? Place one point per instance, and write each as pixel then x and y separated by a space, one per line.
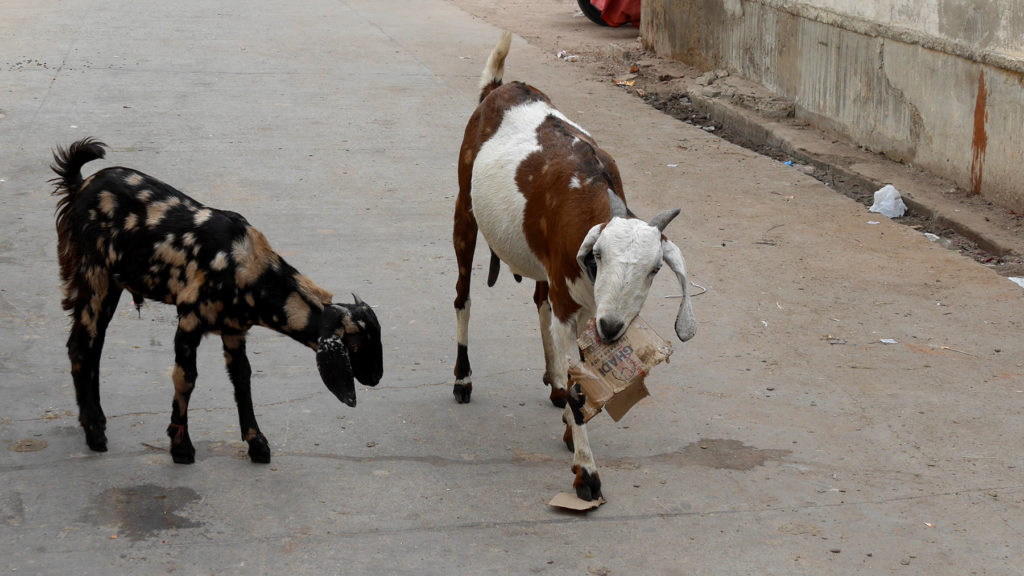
pixel 786 438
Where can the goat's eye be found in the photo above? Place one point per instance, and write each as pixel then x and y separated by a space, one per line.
pixel 655 270
pixel 597 255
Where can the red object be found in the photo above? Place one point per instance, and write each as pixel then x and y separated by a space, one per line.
pixel 619 12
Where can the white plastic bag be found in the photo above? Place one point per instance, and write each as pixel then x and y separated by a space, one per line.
pixel 888 202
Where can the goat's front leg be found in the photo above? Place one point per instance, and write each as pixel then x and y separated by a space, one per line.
pixel 587 482
pixel 186 342
pixel 240 373
pixel 464 240
pixel 91 316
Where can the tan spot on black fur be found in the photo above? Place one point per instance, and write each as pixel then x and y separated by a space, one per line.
pixel 145 195
pixel 210 311
pixel 108 203
pixel 166 252
pixel 297 311
pixel 194 281
pixel 202 216
pixel 182 387
pixel 133 179
pixel 312 291
pixel 253 256
pixel 155 211
pixel 220 261
pixel 189 322
pixel 250 300
pixel 350 326
pixel 131 222
pixel 188 239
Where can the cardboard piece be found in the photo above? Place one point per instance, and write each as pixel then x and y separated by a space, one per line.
pixel 573 502
pixel 612 375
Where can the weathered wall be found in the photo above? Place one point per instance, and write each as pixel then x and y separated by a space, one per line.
pixel 936 83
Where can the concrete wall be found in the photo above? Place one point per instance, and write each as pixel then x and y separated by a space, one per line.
pixel 935 83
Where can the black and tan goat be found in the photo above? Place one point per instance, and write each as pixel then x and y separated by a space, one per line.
pixel 121 230
pixel 549 203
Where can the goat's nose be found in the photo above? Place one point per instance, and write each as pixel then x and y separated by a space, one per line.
pixel 610 330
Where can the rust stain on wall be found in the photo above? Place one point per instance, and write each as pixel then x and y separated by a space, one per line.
pixel 980 140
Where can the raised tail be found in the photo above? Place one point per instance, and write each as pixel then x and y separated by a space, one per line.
pixel 67 163
pixel 495 69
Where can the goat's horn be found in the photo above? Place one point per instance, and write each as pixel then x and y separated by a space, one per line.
pixel 661 220
pixel 618 207
pixel 357 299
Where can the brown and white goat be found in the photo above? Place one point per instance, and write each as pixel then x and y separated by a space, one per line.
pixel 120 230
pixel 549 203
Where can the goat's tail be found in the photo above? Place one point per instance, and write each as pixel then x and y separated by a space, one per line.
pixel 67 163
pixel 495 69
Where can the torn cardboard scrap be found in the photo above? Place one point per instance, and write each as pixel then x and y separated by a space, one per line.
pixel 573 502
pixel 612 375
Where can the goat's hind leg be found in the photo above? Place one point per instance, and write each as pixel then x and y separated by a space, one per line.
pixel 186 342
pixel 240 373
pixel 92 312
pixel 464 240
pixel 540 298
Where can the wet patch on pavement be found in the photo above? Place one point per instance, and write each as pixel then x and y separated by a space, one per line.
pixel 141 512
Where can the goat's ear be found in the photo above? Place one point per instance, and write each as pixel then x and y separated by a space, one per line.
pixel 585 256
pixel 686 324
pixel 662 219
pixel 332 356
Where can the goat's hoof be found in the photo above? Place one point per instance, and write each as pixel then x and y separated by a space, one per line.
pixel 259 450
pixel 588 486
pixel 96 439
pixel 182 450
pixel 462 392
pixel 558 396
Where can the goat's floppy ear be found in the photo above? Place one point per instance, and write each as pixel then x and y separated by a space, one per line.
pixel 585 256
pixel 686 324
pixel 662 219
pixel 332 356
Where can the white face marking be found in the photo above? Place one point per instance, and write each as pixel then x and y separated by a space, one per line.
pixel 497 202
pixel 574 182
pixel 628 253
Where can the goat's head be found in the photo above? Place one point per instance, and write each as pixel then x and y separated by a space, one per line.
pixel 621 258
pixel 349 347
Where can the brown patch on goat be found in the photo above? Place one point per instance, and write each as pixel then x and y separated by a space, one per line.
pixel 156 211
pixel 220 261
pixel 168 253
pixel 195 278
pixel 253 256
pixel 313 292
pixel 134 179
pixel 202 216
pixel 131 222
pixel 297 311
pixel 210 311
pixel 189 322
pixel 182 389
pixel 108 203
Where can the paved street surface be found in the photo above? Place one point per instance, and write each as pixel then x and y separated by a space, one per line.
pixel 786 438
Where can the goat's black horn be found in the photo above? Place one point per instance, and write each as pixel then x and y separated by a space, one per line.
pixel 357 299
pixel 618 207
